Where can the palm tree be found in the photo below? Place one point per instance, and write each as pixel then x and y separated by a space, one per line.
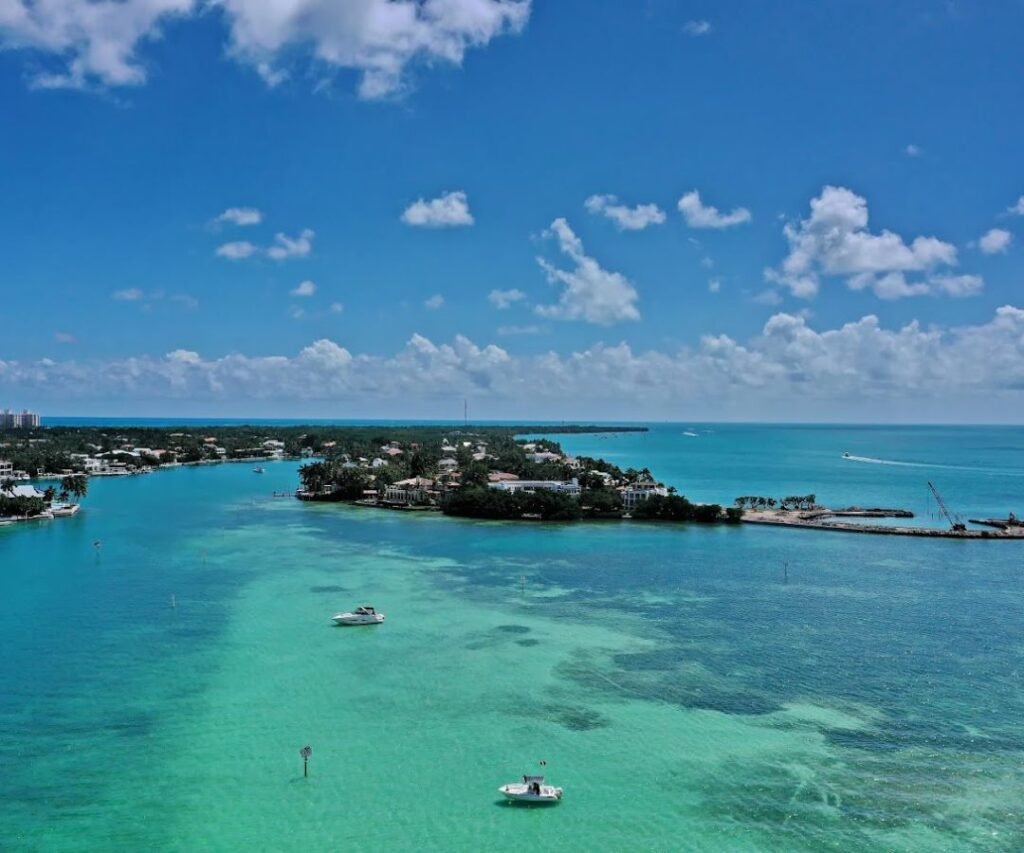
pixel 75 484
pixel 314 476
pixel 49 494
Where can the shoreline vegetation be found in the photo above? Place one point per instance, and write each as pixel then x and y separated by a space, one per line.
pixel 19 502
pixel 52 451
pixel 495 474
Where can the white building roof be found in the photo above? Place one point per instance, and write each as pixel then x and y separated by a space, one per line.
pixel 22 492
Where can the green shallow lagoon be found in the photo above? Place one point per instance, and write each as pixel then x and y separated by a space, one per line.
pixel 682 691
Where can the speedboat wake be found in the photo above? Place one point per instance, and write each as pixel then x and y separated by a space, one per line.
pixel 871 460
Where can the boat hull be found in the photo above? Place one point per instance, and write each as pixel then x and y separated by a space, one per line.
pixel 352 620
pixel 522 794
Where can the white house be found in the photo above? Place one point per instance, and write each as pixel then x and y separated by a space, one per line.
pixel 570 487
pixel 21 492
pixel 544 456
pixel 498 476
pixel 6 469
pixel 412 491
pixel 448 464
pixel 274 448
pixel 637 493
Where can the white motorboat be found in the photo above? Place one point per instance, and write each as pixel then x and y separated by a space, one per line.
pixel 259 469
pixel 364 615
pixel 531 790
pixel 61 510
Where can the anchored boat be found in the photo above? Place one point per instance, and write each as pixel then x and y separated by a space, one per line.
pixel 531 790
pixel 364 615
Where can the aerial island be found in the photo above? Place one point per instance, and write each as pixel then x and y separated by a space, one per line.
pixel 471 471
pixel 495 474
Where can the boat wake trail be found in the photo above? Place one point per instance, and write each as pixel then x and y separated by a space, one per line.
pixel 1001 472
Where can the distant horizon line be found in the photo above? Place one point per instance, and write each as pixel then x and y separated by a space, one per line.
pixel 128 420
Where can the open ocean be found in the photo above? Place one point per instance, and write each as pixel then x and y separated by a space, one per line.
pixel 691 688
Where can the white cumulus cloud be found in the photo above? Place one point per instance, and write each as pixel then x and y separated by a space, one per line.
pixel 788 369
pixel 130 294
pixel 956 285
pixel 85 43
pixel 240 216
pixel 292 247
pixel 995 240
pixel 237 250
pixel 326 354
pixel 590 293
pixel 835 241
pixel 505 298
pixel 625 218
pixel 1018 208
pixel 304 288
pixel 434 302
pixel 380 39
pixel 283 247
pixel 449 210
pixel 699 215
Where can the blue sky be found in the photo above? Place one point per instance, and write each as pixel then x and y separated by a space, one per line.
pixel 416 158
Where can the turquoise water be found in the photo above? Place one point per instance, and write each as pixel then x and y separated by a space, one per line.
pixel 978 470
pixel 687 691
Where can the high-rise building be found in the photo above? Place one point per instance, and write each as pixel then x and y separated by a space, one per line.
pixel 18 420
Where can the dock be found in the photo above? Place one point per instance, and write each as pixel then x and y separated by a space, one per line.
pixel 824 519
pixel 1010 523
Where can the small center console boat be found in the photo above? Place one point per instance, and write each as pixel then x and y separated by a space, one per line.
pixel 531 790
